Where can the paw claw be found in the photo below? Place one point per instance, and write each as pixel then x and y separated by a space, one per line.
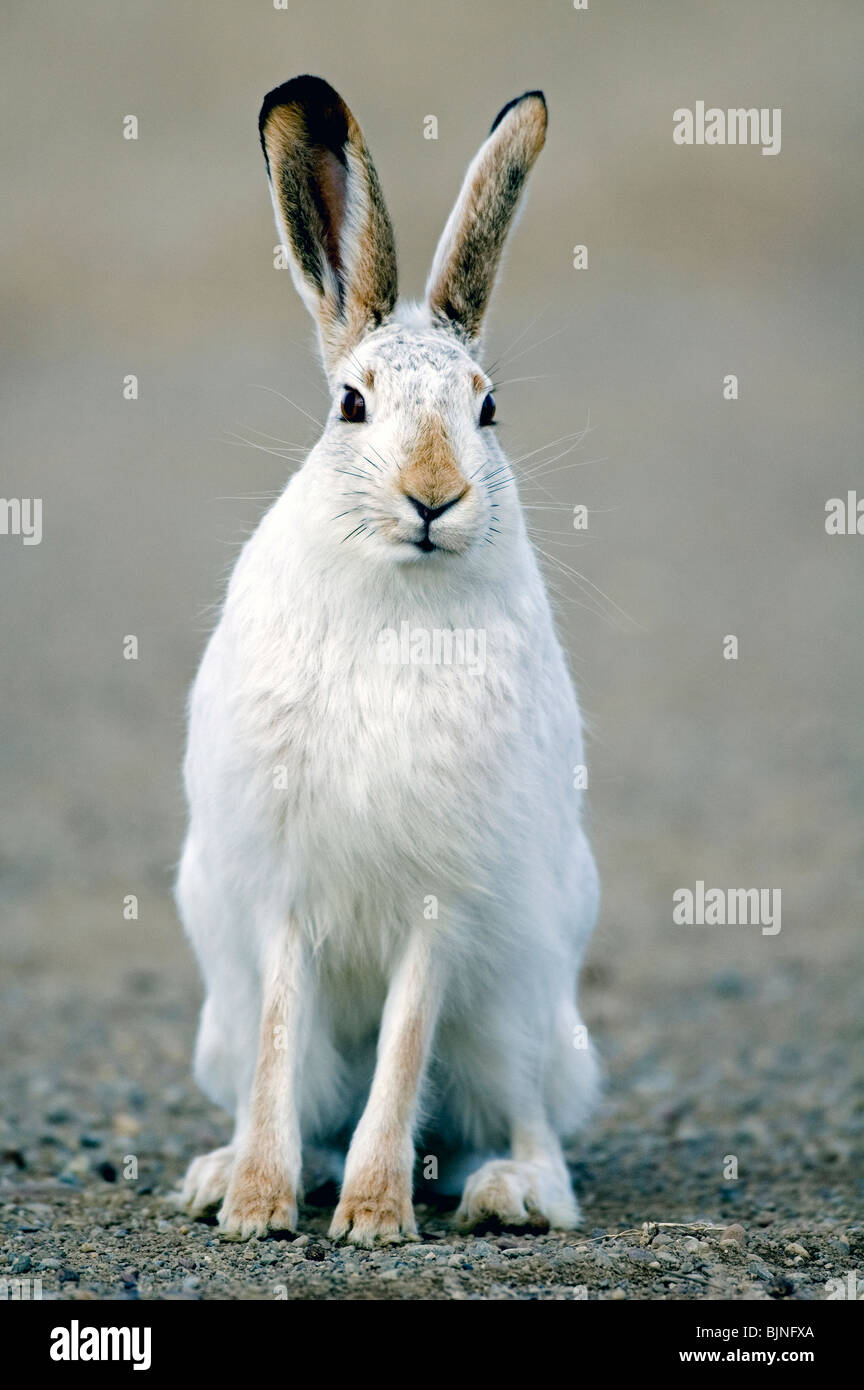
pixel 369 1220
pixel 258 1200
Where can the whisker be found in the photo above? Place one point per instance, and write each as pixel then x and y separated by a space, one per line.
pixel 287 443
pixel 239 443
pixel 519 336
pixel 386 462
pixel 590 585
pixel 248 497
pixel 577 435
pixel 257 386
pixel 558 535
pixel 534 346
pixel 548 507
pixel 515 380
pixel 304 348
pixel 593 608
pixel 487 477
pixel 358 365
pixel 544 469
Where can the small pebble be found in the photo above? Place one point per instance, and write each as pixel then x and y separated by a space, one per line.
pixel 126 1125
pixel 734 1235
pixel 77 1167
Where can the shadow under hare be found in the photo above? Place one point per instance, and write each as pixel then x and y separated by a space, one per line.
pixel 385 879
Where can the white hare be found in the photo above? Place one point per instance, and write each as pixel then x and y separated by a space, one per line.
pixel 385 878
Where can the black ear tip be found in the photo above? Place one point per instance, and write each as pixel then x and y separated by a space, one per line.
pixel 305 91
pixel 515 102
pixel 325 117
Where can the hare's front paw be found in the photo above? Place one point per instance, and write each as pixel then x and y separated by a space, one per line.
pixel 259 1199
pixel 206 1182
pixel 508 1192
pixel 375 1208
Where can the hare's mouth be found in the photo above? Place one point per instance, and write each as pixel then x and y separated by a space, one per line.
pixel 408 543
pixel 426 547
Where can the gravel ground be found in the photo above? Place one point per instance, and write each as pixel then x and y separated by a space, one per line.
pixel 660 1219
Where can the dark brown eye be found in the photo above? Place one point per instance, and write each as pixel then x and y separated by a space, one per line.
pixel 487 410
pixel 353 406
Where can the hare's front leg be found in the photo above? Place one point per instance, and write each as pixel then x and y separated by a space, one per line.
pixel 265 1177
pixel 375 1203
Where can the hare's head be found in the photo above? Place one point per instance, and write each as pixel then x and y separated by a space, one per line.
pixel 408 447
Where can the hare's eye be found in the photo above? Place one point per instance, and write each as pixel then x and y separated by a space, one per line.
pixel 353 406
pixel 487 410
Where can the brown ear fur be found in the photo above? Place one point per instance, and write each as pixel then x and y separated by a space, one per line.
pixel 330 210
pixel 469 252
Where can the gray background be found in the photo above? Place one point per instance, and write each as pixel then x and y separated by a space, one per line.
pixel 707 518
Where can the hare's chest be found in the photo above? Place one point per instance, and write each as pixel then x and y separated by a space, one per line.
pixel 396 749
pixel 370 732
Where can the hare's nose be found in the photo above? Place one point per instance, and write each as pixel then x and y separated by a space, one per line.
pixel 429 514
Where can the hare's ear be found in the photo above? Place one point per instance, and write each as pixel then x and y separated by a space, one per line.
pixel 329 211
pixel 463 271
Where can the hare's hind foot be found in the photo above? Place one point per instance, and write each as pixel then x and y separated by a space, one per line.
pixel 518 1193
pixel 206 1182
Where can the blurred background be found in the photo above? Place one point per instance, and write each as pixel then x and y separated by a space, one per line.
pixel 154 257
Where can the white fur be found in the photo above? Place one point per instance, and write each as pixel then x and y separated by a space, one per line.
pixel 310 902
